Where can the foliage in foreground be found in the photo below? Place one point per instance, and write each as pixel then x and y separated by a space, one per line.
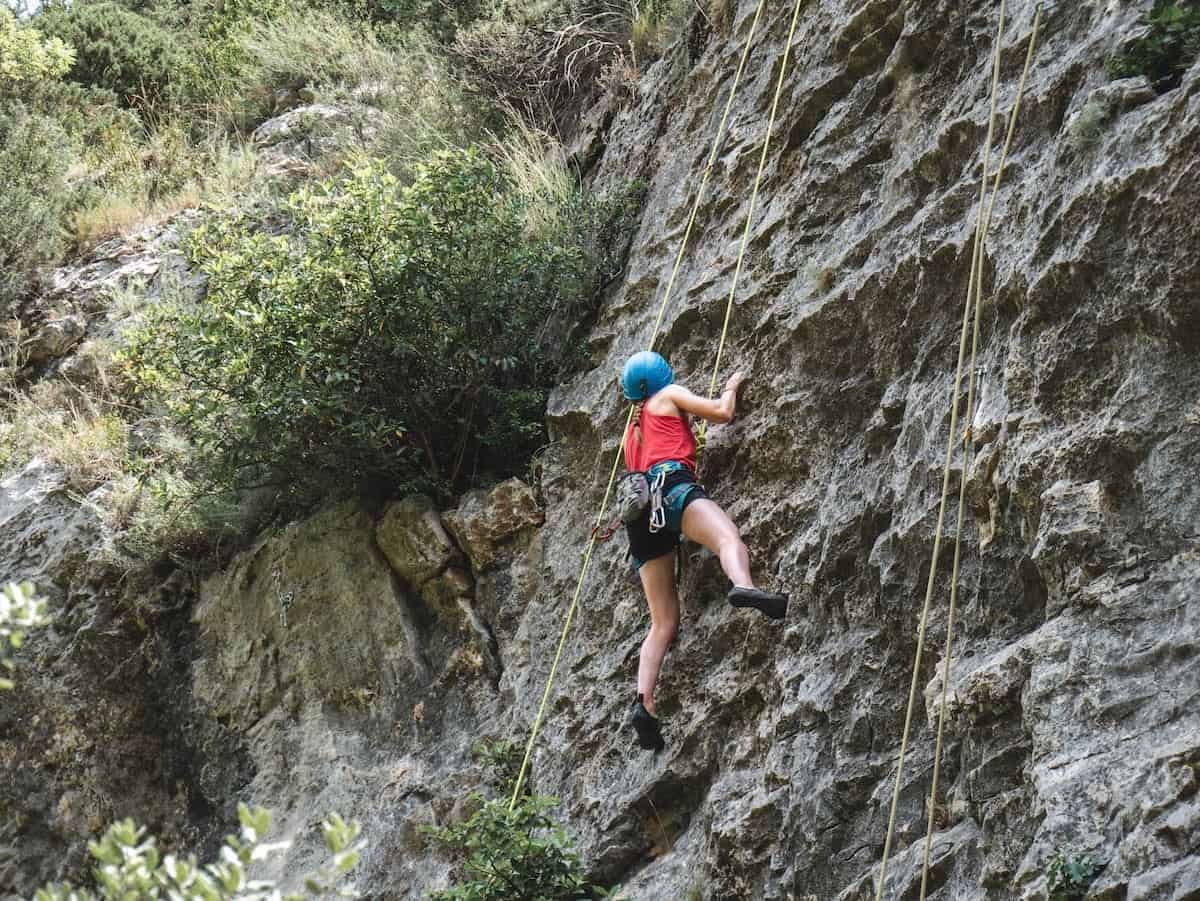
pixel 130 866
pixel 396 333
pixel 504 854
pixel 1169 46
pixel 20 610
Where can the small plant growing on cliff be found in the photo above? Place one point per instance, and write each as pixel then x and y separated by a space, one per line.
pixel 506 854
pixel 20 610
pixel 1169 46
pixel 131 866
pixel 1068 876
pixel 509 854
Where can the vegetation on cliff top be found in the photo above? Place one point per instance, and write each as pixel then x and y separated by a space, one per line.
pixel 394 334
pixel 119 114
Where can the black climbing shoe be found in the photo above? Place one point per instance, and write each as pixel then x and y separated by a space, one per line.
pixel 772 604
pixel 646 724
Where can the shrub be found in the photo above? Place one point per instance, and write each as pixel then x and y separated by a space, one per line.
pixel 542 59
pixel 33 165
pixel 397 333
pixel 131 866
pixel 116 48
pixel 441 18
pixel 518 853
pixel 20 610
pixel 311 47
pixel 248 58
pixel 546 58
pixel 25 56
pixel 1068 876
pixel 1169 46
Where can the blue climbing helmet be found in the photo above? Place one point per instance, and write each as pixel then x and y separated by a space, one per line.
pixel 645 373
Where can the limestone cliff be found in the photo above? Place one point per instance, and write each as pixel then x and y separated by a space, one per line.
pixel 351 660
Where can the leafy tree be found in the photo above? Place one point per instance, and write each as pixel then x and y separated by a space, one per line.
pixel 403 333
pixel 20 610
pixel 131 866
pixel 25 56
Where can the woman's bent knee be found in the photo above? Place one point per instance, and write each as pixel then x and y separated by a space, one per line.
pixel 729 539
pixel 665 630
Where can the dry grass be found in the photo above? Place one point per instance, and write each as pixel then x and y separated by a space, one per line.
pixel 217 176
pixel 720 15
pixel 536 164
pixel 91 444
pixel 111 216
pixel 423 107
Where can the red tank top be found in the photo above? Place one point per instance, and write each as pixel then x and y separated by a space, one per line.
pixel 659 438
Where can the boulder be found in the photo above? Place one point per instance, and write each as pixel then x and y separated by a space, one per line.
pixel 485 521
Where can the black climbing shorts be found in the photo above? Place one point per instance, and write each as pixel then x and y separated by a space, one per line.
pixel 679 489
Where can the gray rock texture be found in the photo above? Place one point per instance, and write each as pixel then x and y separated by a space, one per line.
pixel 290 143
pixel 351 660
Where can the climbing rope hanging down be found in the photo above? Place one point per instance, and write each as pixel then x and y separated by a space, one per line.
pixel 971 310
pixel 587 557
pixel 737 272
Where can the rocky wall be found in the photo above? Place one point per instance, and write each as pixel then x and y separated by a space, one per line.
pixel 352 660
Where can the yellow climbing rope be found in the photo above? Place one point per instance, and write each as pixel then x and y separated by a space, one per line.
pixel 587 557
pixel 737 272
pixel 962 485
pixel 971 311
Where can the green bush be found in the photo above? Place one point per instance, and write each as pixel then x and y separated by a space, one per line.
pixel 34 158
pixel 116 48
pixel 25 56
pixel 502 854
pixel 519 853
pixel 130 866
pixel 1169 46
pixel 394 334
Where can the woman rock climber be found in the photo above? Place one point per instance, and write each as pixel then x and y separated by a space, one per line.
pixel 659 440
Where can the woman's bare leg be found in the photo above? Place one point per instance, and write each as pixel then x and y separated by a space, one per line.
pixel 706 523
pixel 658 581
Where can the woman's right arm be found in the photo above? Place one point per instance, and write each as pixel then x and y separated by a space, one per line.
pixel 720 409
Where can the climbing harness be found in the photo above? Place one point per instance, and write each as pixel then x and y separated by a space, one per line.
pixel 718 141
pixel 972 309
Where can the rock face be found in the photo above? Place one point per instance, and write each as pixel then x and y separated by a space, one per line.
pixel 352 660
pixel 1072 717
pixel 99 727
